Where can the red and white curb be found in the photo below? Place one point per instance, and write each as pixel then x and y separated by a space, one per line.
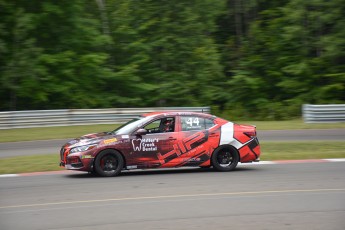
pixel 295 161
pixel 40 173
pixel 240 164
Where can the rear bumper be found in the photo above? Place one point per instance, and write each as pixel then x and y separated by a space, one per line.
pixel 250 151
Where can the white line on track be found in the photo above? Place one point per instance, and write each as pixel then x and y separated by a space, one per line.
pixel 336 160
pixel 175 196
pixel 9 175
pixel 259 163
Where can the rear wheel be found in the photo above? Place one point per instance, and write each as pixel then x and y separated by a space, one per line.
pixel 109 163
pixel 225 159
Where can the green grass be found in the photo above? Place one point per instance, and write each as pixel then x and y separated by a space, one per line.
pixel 292 124
pixel 270 151
pixel 302 150
pixel 34 163
pixel 45 133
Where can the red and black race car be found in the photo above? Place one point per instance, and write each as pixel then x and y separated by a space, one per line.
pixel 164 140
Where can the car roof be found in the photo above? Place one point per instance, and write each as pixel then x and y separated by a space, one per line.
pixel 175 113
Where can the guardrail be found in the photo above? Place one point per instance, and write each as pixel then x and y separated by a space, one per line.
pixel 323 113
pixel 66 117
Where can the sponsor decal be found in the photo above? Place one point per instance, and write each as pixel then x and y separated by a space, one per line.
pixel 149 144
pixel 86 157
pixel 108 141
pixel 192 122
pixel 125 136
pixel 188 145
pixel 194 159
pixel 132 167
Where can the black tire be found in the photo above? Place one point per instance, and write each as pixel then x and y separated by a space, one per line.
pixel 93 173
pixel 109 163
pixel 225 159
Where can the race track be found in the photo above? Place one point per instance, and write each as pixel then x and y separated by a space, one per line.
pixel 53 146
pixel 281 196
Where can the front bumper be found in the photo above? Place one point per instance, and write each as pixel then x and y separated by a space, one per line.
pixel 76 161
pixel 73 167
pixel 84 165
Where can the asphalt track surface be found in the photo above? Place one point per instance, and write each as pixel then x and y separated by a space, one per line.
pixel 53 146
pixel 280 196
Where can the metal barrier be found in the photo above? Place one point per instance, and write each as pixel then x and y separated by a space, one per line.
pixel 66 117
pixel 323 113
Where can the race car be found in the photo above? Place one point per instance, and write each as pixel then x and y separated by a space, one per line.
pixel 164 140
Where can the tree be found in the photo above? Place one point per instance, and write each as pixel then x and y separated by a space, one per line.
pixel 247 59
pixel 285 58
pixel 20 69
pixel 54 56
pixel 167 47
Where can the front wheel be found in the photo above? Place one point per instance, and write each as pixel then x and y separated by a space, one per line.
pixel 225 159
pixel 109 163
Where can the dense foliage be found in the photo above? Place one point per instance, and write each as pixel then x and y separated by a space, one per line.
pixel 246 58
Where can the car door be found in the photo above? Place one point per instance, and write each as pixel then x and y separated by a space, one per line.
pixel 152 148
pixel 198 138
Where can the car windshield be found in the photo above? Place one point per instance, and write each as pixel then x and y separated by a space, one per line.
pixel 130 126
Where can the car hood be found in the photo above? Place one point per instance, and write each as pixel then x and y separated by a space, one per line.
pixel 92 138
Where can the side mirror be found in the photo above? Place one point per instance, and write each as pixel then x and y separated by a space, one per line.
pixel 141 132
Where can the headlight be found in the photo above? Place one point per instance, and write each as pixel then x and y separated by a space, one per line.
pixel 82 148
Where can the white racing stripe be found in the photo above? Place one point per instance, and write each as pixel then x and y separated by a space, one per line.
pixel 227 133
pixel 227 136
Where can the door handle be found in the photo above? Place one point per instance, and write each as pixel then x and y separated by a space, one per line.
pixel 172 138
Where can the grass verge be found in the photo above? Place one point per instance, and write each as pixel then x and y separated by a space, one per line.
pixel 270 151
pixel 34 163
pixel 292 124
pixel 64 132
pixel 46 133
pixel 302 150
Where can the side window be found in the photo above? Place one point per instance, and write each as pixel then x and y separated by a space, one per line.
pixel 208 123
pixel 195 123
pixel 153 126
pixel 163 125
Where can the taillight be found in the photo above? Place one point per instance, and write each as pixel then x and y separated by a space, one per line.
pixel 250 134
